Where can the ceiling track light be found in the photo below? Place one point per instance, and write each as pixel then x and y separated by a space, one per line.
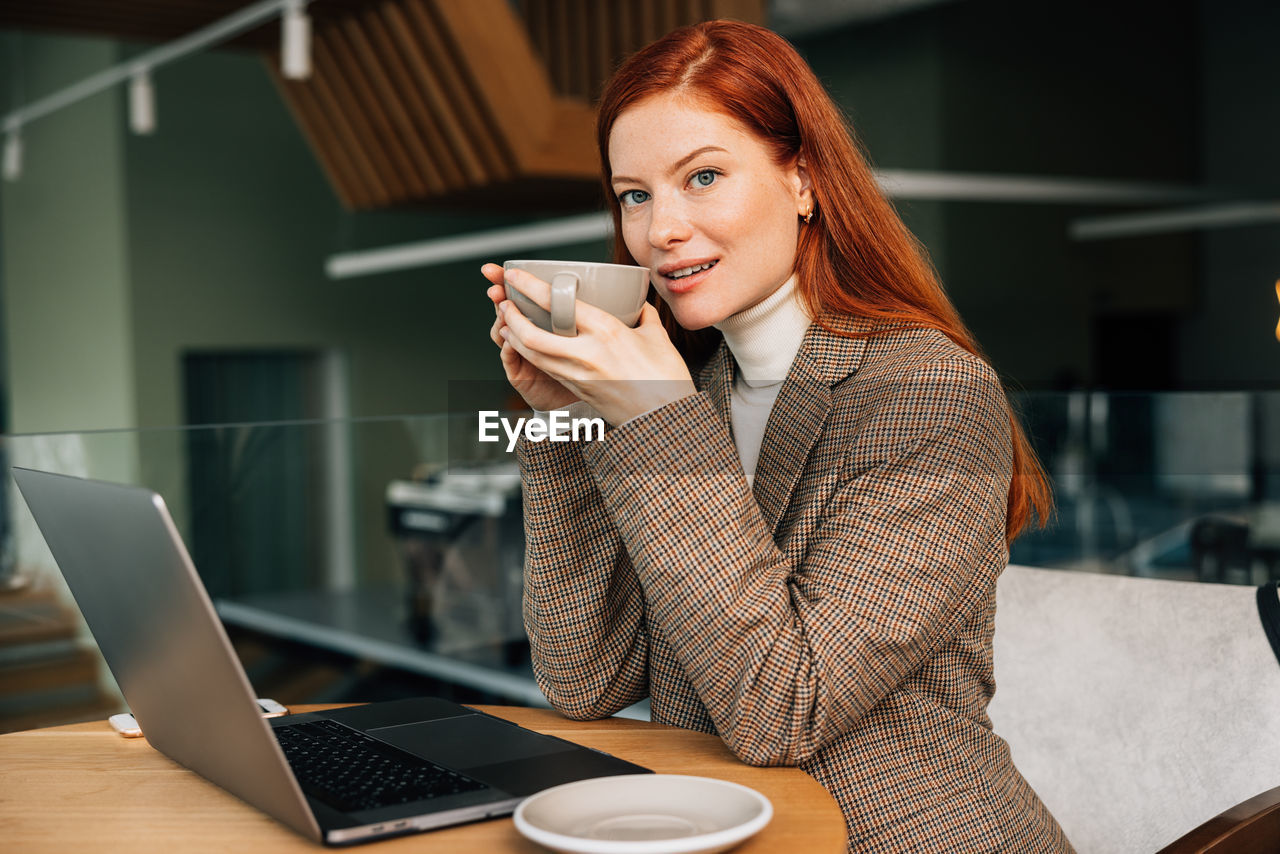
pixel 295 41
pixel 136 72
pixel 142 103
pixel 13 155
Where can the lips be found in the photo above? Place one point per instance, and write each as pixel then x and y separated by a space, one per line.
pixel 683 276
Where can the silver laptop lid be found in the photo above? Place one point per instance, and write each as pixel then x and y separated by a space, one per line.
pixel 130 573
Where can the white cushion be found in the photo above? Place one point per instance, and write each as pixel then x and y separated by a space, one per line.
pixel 1136 708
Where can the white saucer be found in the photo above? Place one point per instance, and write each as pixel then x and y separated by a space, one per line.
pixel 643 814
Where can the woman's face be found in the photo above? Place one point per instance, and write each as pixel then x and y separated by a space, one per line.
pixel 704 207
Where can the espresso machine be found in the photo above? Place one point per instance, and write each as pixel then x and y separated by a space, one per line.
pixel 460 533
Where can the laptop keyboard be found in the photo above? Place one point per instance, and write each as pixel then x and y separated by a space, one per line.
pixel 350 771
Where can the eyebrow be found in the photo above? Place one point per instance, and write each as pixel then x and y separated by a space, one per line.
pixel 679 163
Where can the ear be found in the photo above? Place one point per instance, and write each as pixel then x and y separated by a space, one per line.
pixel 801 185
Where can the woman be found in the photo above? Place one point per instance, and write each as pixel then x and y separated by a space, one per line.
pixel 795 543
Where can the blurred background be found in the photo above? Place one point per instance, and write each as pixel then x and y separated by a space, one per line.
pixel 256 290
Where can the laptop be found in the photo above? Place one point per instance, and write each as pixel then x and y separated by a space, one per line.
pixel 338 777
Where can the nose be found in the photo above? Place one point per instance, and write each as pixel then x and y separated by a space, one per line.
pixel 668 224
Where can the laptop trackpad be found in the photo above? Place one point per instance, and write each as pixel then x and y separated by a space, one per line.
pixel 469 741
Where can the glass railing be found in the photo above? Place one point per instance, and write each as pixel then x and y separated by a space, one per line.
pixel 399 540
pixel 1172 485
pixel 375 541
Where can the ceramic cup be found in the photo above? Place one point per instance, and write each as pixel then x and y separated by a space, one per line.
pixel 617 288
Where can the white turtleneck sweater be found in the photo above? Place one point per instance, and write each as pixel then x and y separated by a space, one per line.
pixel 764 340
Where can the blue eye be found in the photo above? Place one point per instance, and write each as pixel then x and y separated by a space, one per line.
pixel 705 178
pixel 633 197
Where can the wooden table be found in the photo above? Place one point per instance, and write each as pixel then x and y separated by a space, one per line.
pixel 84 788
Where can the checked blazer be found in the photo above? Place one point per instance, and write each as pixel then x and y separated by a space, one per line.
pixel 838 615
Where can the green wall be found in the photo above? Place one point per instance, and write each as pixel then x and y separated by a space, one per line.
pixel 231 220
pixel 68 334
pixel 123 253
pixel 1013 88
pixel 888 80
pixel 1093 89
pixel 1228 340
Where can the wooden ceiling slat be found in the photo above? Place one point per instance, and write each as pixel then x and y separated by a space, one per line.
pixel 606 52
pixel 382 127
pixel 569 46
pixel 691 12
pixel 582 49
pixel 399 113
pixel 742 10
pixel 481 128
pixel 412 51
pixel 318 130
pixel 602 38
pixel 565 42
pixel 675 15
pixel 643 16
pixel 514 84
pixel 528 10
pixel 441 155
pixel 558 63
pixel 348 139
pixel 601 56
pixel 595 48
pixel 572 154
pixel 550 26
pixel 647 26
pixel 538 23
pixel 620 26
pixel 331 76
pixel 428 99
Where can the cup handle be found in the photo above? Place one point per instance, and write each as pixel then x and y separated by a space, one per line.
pixel 564 292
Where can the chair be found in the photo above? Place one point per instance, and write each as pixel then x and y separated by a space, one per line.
pixel 1137 708
pixel 1252 827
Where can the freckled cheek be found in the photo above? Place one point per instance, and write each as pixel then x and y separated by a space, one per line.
pixel 730 227
pixel 634 236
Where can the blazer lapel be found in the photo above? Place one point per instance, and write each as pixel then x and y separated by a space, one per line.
pixel 715 378
pixel 796 421
pixel 800 413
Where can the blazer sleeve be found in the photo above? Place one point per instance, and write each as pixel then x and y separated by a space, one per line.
pixel 583 607
pixel 787 657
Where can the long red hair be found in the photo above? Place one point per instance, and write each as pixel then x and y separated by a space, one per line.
pixel 856 257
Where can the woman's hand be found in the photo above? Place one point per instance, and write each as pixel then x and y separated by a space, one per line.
pixel 538 390
pixel 621 372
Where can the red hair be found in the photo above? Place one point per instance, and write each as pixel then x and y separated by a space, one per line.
pixel 856 257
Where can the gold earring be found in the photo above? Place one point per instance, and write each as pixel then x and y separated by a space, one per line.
pixel 808 217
